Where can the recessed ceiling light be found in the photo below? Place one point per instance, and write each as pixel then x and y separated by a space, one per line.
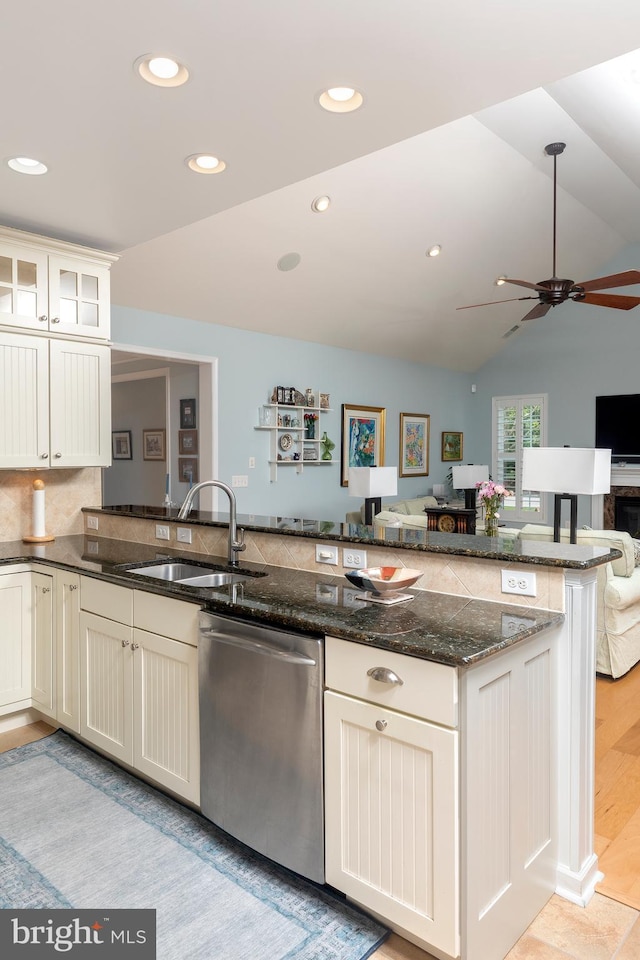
pixel 500 281
pixel 289 261
pixel 26 165
pixel 320 204
pixel 434 251
pixel 340 99
pixel 161 71
pixel 205 163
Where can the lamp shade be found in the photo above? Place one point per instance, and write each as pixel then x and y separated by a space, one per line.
pixel 368 482
pixel 566 470
pixel 465 476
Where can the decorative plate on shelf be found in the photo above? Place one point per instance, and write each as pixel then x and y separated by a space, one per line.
pixel 286 441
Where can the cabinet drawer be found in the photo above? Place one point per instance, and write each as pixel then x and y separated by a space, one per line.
pixel 428 690
pixel 166 616
pixel 107 600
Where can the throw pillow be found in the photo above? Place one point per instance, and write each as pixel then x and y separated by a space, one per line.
pixel 636 550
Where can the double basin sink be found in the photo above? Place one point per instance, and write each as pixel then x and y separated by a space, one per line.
pixel 191 574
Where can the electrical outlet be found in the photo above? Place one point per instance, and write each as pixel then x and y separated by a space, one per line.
pixel 326 554
pixel 240 481
pixel 522 582
pixel 162 532
pixel 354 558
pixel 92 546
pixel 92 523
pixel 183 534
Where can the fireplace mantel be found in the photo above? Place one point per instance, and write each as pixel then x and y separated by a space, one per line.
pixel 625 476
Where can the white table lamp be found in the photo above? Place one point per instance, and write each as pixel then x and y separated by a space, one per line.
pixel 465 477
pixel 371 484
pixel 566 472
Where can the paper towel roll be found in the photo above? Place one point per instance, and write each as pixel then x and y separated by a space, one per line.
pixel 38 525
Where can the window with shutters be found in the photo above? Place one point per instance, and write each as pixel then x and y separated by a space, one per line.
pixel 518 422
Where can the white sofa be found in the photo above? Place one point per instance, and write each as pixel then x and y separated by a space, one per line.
pixel 618 606
pixel 400 508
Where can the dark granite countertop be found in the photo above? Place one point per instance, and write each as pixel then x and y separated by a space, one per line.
pixel 566 555
pixel 448 629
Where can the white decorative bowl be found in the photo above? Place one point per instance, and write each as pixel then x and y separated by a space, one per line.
pixel 383 580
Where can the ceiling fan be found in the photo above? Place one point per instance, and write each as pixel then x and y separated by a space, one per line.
pixel 554 291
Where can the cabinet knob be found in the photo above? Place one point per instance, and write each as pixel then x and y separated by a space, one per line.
pixel 73 586
pixel 125 643
pixel 57 455
pixel 44 456
pixel 134 646
pixel 46 589
pixel 384 675
pixel 55 320
pixel 43 319
pixel 381 725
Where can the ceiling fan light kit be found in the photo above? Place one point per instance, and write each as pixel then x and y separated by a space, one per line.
pixel 555 290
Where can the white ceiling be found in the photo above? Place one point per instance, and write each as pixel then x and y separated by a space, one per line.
pixel 460 100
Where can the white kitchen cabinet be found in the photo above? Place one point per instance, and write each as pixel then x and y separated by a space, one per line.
pixel 15 641
pixel 51 286
pixel 42 645
pixel 450 835
pixel 392 797
pixel 139 689
pixel 55 402
pixel 67 633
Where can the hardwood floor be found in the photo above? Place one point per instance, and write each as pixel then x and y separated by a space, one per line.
pixel 609 927
pixel 617 800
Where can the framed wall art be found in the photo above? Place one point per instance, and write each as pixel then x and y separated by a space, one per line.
pixel 121 445
pixel 187 470
pixel 187 414
pixel 153 445
pixel 414 445
pixel 362 438
pixel 452 445
pixel 187 441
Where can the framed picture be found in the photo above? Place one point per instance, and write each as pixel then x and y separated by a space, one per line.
pixel 188 470
pixel 187 441
pixel 121 445
pixel 362 438
pixel 414 445
pixel 187 414
pixel 153 445
pixel 324 401
pixel 452 445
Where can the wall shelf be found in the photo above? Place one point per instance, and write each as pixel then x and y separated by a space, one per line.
pixel 288 421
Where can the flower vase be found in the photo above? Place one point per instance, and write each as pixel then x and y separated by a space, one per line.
pixel 310 430
pixel 491 526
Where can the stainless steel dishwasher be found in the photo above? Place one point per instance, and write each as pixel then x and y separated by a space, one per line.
pixel 261 758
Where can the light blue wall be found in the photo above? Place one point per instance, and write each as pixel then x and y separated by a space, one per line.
pixel 251 364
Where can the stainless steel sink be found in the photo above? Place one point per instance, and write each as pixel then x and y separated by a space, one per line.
pixel 172 570
pixel 216 579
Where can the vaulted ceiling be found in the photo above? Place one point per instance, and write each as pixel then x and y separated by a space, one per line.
pixel 460 99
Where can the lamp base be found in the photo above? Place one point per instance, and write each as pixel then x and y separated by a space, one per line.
pixel 372 505
pixel 557 511
pixel 470 498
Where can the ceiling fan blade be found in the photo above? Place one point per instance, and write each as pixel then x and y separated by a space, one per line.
pixel 614 300
pixel 491 302
pixel 615 280
pixel 525 283
pixel 538 311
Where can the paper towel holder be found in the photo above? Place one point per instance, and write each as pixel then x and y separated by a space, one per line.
pixel 38 515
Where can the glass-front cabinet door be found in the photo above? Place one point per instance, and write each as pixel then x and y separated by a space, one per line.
pixel 78 298
pixel 23 288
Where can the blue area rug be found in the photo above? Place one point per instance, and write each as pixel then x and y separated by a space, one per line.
pixel 78 831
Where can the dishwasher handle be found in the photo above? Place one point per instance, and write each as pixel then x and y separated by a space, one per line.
pixel 255 646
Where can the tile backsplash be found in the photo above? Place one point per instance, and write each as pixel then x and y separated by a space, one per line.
pixel 66 492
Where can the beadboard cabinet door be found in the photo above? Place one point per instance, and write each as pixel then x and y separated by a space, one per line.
pixel 392 834
pixel 24 401
pixel 15 640
pixel 67 591
pixel 42 646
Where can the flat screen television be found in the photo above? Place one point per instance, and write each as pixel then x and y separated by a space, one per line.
pixel 618 426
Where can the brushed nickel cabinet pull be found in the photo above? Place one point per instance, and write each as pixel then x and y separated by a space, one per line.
pixel 384 675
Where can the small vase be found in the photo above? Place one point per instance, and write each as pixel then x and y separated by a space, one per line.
pixel 310 430
pixel 491 526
